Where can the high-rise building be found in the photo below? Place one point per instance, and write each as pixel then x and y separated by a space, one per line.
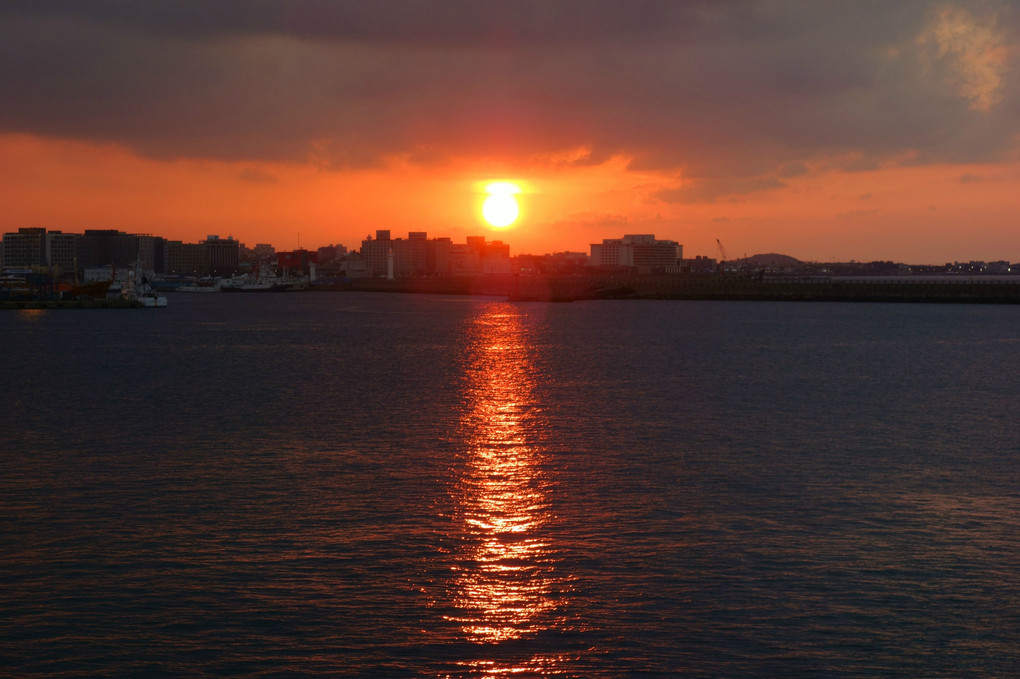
pixel 102 247
pixel 495 257
pixel 62 252
pixel 224 255
pixel 464 260
pixel 35 247
pixel 26 248
pixel 375 252
pixel 186 259
pixel 152 255
pixel 636 250
pixel 195 259
pixel 438 256
pixel 411 255
pixel 416 255
pixel 173 257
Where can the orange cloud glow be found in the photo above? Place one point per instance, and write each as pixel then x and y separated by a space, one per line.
pixel 909 213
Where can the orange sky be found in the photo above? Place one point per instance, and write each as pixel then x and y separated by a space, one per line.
pixel 826 131
pixel 916 214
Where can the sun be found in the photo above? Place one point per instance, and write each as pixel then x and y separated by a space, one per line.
pixel 500 209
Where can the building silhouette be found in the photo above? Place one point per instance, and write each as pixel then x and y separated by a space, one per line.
pixel 224 254
pixel 375 252
pixel 417 255
pixel 25 249
pixel 640 251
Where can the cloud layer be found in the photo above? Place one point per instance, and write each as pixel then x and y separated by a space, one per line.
pixel 728 97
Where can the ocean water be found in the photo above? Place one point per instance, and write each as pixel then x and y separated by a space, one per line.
pixel 369 485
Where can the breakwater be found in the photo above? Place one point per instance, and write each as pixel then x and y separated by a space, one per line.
pixel 707 287
pixel 19 304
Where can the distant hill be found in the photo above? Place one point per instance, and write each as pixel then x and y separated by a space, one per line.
pixel 771 259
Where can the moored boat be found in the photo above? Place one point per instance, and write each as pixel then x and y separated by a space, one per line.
pixel 198 287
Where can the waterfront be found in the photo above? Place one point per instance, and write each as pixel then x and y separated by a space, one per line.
pixel 356 484
pixel 726 287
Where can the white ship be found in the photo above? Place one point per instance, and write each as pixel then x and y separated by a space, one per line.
pixel 141 292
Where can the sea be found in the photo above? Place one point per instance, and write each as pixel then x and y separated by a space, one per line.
pixel 387 485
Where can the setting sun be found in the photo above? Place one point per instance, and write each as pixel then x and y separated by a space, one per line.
pixel 500 209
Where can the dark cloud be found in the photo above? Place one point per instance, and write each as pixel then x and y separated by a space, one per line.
pixel 488 24
pixel 739 95
pixel 791 170
pixel 710 190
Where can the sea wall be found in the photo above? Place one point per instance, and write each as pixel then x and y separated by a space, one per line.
pixel 706 287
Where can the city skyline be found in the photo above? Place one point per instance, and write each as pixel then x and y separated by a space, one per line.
pixel 827 132
pixel 416 254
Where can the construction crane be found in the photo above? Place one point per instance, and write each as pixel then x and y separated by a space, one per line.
pixel 722 254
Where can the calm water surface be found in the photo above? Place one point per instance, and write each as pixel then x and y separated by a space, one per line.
pixel 368 485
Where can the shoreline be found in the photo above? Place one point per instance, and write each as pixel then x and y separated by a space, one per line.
pixel 51 304
pixel 570 288
pixel 721 288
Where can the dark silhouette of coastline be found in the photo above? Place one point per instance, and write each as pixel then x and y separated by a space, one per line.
pixel 553 288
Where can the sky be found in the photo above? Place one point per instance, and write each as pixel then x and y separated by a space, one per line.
pixel 825 130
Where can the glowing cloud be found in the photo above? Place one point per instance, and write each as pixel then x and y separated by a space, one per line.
pixel 973 53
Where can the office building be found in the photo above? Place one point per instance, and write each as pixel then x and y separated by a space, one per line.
pixel 641 251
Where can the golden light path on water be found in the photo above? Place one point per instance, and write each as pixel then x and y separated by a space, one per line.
pixel 507 587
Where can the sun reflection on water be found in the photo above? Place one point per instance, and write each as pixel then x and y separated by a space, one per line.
pixel 31 314
pixel 506 586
